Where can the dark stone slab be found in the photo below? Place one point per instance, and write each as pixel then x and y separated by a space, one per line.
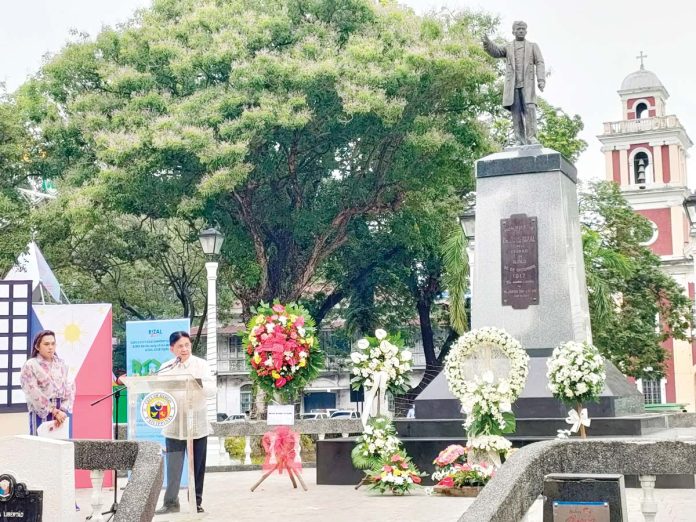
pixel 619 398
pixel 630 426
pixel 664 481
pixel 526 161
pixel 334 465
pixel 574 487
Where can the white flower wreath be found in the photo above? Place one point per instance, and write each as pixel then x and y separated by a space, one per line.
pixel 576 372
pixel 482 396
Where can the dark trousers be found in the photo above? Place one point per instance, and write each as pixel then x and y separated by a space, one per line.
pixel 523 119
pixel 176 450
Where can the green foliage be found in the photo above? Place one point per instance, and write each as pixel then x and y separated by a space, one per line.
pixel 17 151
pixel 378 441
pixel 485 424
pixel 559 131
pixel 235 448
pixel 456 278
pixel 286 123
pixel 556 130
pixel 628 288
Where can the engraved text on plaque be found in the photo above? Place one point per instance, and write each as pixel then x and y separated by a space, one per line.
pixel 520 261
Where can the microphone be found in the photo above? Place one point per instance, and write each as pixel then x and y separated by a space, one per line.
pixel 170 366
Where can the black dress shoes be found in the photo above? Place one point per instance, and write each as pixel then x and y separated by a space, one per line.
pixel 200 509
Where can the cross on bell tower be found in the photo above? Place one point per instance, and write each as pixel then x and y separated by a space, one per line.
pixel 640 57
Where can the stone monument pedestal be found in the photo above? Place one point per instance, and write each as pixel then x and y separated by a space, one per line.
pixel 47 465
pixel 529 278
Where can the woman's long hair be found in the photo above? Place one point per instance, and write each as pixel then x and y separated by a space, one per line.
pixel 37 341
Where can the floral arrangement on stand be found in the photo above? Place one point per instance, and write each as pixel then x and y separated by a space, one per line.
pixel 576 375
pixel 282 349
pixel 377 441
pixel 381 365
pixel 456 476
pixel 487 399
pixel 395 474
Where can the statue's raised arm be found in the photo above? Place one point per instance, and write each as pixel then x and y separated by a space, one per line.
pixel 523 61
pixel 493 49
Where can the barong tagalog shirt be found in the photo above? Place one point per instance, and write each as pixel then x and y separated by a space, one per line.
pixel 198 369
pixel 44 383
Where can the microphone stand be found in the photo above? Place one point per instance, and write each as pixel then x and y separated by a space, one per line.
pixel 116 394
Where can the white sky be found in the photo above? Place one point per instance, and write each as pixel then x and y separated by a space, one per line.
pixel 588 46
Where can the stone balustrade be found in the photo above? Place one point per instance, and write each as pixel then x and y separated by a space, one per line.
pixel 519 482
pixel 642 125
pixel 248 429
pixel 143 459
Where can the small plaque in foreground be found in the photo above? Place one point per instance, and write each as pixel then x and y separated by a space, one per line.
pixel 17 503
pixel 581 511
pixel 519 261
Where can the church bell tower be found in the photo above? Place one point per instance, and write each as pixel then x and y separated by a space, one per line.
pixel 645 154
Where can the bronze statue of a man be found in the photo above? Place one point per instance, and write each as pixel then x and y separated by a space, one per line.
pixel 523 58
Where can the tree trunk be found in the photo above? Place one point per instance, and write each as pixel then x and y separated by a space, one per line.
pixel 403 403
pixel 426 329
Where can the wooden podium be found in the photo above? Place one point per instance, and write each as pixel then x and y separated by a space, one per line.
pixel 183 389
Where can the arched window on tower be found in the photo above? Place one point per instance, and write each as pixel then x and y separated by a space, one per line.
pixel 642 169
pixel 641 110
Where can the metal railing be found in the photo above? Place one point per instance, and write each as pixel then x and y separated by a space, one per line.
pixel 232 366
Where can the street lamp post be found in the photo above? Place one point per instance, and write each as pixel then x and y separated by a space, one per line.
pixel 211 243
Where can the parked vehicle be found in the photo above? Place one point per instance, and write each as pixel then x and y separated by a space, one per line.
pixel 237 417
pixel 345 414
pixel 313 416
pixel 221 417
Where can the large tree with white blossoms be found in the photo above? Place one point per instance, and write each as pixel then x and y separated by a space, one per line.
pixel 287 123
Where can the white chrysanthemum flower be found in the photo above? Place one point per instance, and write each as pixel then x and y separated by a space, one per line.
pixel 380 334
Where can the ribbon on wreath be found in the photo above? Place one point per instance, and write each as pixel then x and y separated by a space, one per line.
pixel 577 420
pixel 280 446
pixel 377 391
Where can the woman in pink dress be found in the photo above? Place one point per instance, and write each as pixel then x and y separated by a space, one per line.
pixel 49 392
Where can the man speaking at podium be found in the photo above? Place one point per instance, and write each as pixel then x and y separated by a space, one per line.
pixel 186 363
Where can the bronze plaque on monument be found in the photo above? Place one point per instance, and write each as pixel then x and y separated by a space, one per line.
pixel 520 261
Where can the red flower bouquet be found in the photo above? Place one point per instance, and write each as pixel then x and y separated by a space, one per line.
pixel 282 349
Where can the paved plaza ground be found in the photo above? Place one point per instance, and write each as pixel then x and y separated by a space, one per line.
pixel 227 498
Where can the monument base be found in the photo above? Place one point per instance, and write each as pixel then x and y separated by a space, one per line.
pixel 531 283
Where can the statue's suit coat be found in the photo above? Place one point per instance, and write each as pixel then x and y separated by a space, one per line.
pixel 533 61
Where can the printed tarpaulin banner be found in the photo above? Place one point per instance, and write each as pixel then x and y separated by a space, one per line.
pixel 83 341
pixel 147 347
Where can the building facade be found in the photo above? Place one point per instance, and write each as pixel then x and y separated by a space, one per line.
pixel 331 390
pixel 645 154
